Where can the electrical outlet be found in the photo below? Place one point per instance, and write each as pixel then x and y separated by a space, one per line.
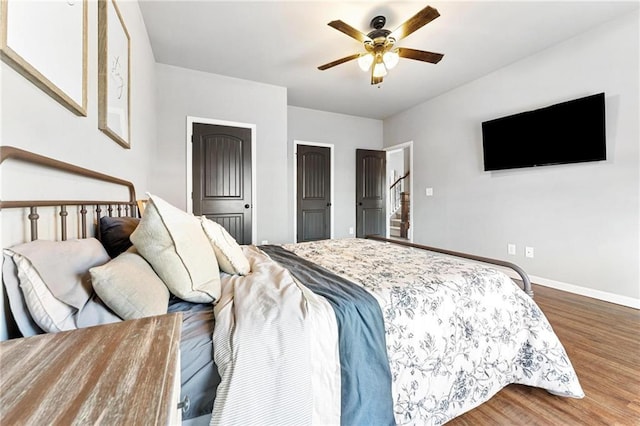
pixel 528 252
pixel 264 242
pixel 351 230
pixel 511 249
pixel 428 192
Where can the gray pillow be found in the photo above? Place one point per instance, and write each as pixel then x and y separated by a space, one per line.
pixel 128 285
pixel 54 280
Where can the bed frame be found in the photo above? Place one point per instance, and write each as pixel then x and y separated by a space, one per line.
pixel 110 208
pixel 526 282
pixel 131 208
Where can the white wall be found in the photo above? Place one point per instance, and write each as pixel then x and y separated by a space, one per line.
pixel 181 93
pixel 32 120
pixel 395 162
pixel 347 133
pixel 582 219
pixel 400 161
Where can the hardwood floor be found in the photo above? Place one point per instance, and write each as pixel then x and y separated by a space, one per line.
pixel 603 342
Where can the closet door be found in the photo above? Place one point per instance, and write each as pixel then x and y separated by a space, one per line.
pixel 313 182
pixel 371 194
pixel 222 177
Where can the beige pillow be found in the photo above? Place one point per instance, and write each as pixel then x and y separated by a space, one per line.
pixel 172 241
pixel 128 285
pixel 229 254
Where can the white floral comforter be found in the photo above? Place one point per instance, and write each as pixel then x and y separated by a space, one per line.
pixel 457 332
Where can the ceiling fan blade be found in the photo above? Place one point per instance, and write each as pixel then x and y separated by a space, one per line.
pixel 417 21
pixel 349 30
pixel 420 55
pixel 339 61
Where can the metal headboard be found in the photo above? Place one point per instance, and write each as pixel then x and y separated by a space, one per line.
pixel 109 207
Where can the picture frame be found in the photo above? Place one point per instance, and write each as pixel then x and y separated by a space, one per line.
pixel 46 42
pixel 114 74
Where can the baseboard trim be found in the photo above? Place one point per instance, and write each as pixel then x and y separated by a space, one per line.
pixel 583 291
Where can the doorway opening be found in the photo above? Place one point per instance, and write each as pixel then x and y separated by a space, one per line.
pixel 313 191
pixel 400 190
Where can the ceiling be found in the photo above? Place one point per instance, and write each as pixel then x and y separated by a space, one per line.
pixel 283 42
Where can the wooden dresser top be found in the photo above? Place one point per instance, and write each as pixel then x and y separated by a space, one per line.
pixel 119 373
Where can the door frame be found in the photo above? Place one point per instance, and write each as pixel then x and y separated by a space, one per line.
pixel 390 149
pixel 295 184
pixel 254 171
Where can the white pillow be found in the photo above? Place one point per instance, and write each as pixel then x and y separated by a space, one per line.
pixel 172 241
pixel 128 285
pixel 229 254
pixel 17 304
pixel 49 313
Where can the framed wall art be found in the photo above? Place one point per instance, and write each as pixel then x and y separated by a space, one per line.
pixel 114 74
pixel 46 42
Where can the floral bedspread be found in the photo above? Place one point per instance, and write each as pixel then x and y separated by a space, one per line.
pixel 456 332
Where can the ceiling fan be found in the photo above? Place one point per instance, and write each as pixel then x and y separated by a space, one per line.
pixel 381 53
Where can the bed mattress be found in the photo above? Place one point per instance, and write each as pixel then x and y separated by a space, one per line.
pixel 455 333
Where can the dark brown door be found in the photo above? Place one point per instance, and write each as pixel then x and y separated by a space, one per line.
pixel 371 194
pixel 313 193
pixel 222 177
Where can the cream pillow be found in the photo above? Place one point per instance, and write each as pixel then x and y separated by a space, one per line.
pixel 128 285
pixel 229 254
pixel 172 241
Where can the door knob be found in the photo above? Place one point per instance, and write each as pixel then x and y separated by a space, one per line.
pixel 246 206
pixel 328 204
pixel 359 204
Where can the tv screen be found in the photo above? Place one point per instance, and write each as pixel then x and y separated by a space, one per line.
pixel 568 132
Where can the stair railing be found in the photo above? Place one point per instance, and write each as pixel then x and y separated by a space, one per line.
pixel 395 191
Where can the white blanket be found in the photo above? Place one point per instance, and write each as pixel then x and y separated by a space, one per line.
pixel 275 345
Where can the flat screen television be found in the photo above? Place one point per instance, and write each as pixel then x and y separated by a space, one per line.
pixel 568 132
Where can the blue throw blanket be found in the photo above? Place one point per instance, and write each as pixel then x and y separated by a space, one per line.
pixel 365 375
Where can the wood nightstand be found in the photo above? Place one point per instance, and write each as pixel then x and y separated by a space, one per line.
pixel 125 373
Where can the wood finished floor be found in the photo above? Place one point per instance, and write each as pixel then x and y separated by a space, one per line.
pixel 603 342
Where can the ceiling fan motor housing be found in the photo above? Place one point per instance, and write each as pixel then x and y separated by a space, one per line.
pixel 378 22
pixel 379 39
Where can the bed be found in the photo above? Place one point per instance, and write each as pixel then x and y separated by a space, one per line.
pixel 347 331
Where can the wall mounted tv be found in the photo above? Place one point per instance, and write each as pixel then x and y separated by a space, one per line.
pixel 568 132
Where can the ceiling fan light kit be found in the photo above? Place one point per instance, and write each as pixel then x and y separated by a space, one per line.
pixel 388 60
pixel 391 59
pixel 365 61
pixel 379 70
pixel 381 54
